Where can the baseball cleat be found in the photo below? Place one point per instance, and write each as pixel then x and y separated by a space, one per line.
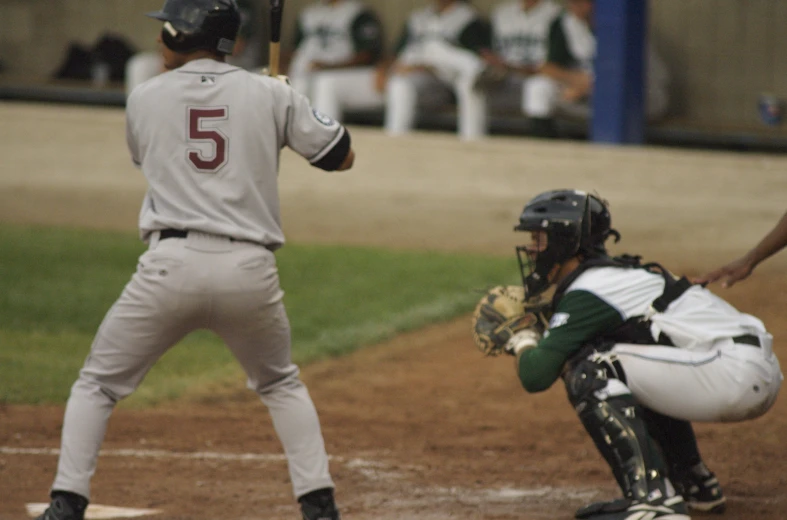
pixel 703 494
pixel 672 508
pixel 65 507
pixel 701 490
pixel 319 505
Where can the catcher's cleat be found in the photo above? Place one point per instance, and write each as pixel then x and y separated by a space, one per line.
pixel 672 508
pixel 702 491
pixel 319 505
pixel 65 506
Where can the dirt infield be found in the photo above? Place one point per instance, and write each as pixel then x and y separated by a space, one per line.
pixel 420 427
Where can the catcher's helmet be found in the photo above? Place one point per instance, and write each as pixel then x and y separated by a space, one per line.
pixel 576 223
pixel 190 25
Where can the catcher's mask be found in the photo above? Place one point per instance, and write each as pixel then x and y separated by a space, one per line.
pixel 191 25
pixel 573 222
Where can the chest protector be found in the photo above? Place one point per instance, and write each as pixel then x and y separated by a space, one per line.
pixel 637 329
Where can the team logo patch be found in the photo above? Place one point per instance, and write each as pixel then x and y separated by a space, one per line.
pixel 558 319
pixel 322 118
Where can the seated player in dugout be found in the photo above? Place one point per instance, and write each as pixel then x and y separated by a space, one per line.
pixel 642 354
pixel 520 30
pixel 563 86
pixel 337 46
pixel 435 62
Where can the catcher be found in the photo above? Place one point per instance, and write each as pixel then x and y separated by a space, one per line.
pixel 641 354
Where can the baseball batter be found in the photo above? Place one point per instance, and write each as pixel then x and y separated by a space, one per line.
pixel 207 136
pixel 437 55
pixel 642 354
pixel 338 42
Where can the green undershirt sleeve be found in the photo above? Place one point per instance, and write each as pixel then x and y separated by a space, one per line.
pixel 580 317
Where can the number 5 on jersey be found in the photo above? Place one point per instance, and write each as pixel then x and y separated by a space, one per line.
pixel 200 132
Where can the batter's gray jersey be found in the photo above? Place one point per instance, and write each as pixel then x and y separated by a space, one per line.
pixel 208 136
pixel 520 36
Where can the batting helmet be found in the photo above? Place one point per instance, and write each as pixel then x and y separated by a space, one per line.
pixel 575 223
pixel 190 25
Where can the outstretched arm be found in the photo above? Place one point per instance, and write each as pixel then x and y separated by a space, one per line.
pixel 742 267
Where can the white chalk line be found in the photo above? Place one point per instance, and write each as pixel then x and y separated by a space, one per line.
pixel 155 454
pixel 371 469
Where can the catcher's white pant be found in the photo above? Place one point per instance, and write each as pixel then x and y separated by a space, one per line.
pixel 181 285
pixel 730 382
pixel 454 68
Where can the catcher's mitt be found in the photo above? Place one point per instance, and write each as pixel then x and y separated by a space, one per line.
pixel 501 313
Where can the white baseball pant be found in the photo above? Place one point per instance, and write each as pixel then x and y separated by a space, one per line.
pixel 731 382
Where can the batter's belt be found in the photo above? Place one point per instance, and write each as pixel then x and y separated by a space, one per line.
pixel 164 234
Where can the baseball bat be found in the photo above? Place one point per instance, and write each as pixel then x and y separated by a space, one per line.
pixel 274 51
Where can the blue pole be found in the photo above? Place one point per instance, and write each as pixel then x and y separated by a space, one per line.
pixel 619 90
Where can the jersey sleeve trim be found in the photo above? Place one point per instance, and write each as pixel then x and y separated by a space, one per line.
pixel 333 155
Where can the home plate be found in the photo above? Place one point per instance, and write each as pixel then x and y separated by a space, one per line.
pixel 97 512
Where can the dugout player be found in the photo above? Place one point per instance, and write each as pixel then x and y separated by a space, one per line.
pixel 437 59
pixel 641 354
pixel 207 136
pixel 564 84
pixel 337 45
pixel 519 48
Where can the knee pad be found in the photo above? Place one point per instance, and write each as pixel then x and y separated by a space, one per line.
pixel 601 372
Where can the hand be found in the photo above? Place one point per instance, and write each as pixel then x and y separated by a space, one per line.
pixel 380 79
pixel 284 79
pixel 731 273
pixel 491 58
pixel 318 65
pixel 402 69
pixel 579 87
pixel 521 341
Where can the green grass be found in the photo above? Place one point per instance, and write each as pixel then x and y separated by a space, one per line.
pixel 57 284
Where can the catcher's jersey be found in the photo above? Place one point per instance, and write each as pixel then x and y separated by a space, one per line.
pixel 334 33
pixel 458 25
pixel 601 299
pixel 207 137
pixel 572 43
pixel 519 36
